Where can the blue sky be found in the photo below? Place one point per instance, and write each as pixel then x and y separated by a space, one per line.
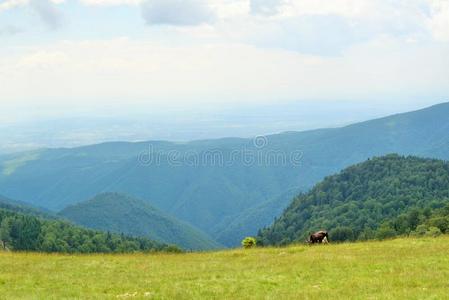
pixel 75 54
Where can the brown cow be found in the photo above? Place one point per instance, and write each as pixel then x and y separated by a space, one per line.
pixel 319 237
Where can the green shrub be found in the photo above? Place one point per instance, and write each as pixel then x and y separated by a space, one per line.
pixel 385 232
pixel 173 249
pixel 421 230
pixel 433 231
pixel 249 242
pixel 441 222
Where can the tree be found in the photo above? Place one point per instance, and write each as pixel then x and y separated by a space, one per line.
pixel 413 219
pixel 341 234
pixel 5 232
pixel 385 231
pixel 367 234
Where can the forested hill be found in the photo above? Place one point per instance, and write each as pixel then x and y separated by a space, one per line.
pixel 23 232
pixel 362 197
pixel 125 214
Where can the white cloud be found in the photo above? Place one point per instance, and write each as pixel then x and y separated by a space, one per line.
pixel 412 19
pixel 439 21
pixel 176 12
pixel 110 2
pixel 9 30
pixel 309 34
pixel 266 7
pixel 291 49
pixel 128 70
pixel 323 26
pixel 8 4
pixel 42 60
pixel 318 27
pixel 48 12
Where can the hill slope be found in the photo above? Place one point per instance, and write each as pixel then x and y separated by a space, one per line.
pixel 204 182
pixel 395 269
pixel 23 232
pixel 22 207
pixel 363 196
pixel 249 221
pixel 123 214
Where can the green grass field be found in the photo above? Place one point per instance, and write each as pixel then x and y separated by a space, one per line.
pixel 398 269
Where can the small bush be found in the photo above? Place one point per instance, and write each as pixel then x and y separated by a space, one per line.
pixel 385 232
pixel 441 222
pixel 249 242
pixel 421 230
pixel 173 249
pixel 433 231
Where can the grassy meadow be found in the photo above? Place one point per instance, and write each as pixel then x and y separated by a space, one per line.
pixel 396 269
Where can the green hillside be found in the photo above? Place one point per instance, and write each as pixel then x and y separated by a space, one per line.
pixel 22 207
pixel 187 181
pixel 23 232
pixel 251 220
pixel 393 191
pixel 124 214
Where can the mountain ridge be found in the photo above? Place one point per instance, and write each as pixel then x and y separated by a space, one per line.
pixel 205 195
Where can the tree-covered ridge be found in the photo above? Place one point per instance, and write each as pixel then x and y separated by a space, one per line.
pixel 21 232
pixel 121 213
pixel 362 197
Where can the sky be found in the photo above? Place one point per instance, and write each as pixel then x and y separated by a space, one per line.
pixel 59 57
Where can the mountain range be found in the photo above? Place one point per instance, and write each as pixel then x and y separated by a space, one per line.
pixel 228 188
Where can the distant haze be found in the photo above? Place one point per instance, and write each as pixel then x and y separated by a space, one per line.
pixel 59 128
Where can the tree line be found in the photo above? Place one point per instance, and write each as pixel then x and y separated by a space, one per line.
pixel 416 222
pixel 21 232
